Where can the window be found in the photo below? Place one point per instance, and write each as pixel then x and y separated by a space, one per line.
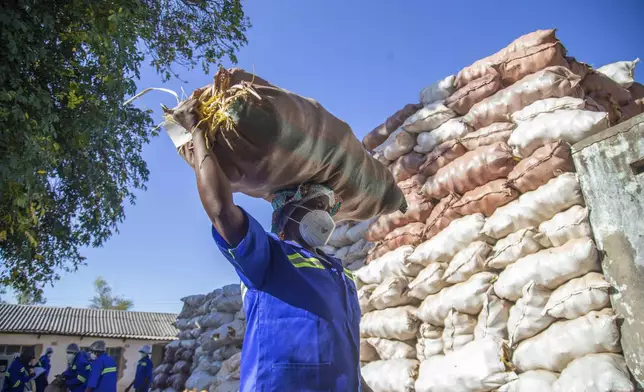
pixel 117 355
pixel 12 349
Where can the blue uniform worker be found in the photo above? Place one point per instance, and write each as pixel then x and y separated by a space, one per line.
pixel 103 372
pixel 77 372
pixel 143 376
pixel 45 362
pixel 19 372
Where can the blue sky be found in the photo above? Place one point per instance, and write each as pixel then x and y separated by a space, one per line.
pixel 362 60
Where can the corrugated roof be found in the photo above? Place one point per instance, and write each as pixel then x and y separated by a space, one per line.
pixel 87 322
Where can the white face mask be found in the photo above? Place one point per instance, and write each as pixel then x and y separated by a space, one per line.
pixel 143 355
pixel 316 227
pixel 93 356
pixel 70 357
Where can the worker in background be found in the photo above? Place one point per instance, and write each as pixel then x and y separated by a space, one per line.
pixel 45 362
pixel 301 305
pixel 143 376
pixel 103 372
pixel 20 371
pixel 78 368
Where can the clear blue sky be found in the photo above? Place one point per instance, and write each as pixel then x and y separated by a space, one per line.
pixel 362 60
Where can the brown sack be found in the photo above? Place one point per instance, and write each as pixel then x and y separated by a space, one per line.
pixel 281 140
pixel 608 105
pixel 376 137
pixel 544 164
pixel 600 85
pixel 522 63
pixel 443 154
pixel 442 215
pixel 385 224
pixel 631 110
pixel 406 166
pixel 410 234
pixel 637 91
pixel 493 133
pixel 577 67
pixel 411 188
pixel 483 66
pixel 380 133
pixel 464 98
pixel 552 82
pixel 486 198
pixel 473 169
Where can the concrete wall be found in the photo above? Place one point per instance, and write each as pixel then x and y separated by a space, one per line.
pixel 130 349
pixel 611 172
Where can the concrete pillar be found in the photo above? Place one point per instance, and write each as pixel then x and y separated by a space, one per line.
pixel 611 172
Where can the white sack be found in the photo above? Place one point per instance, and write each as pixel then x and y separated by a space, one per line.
pixel 451 129
pixel 459 330
pixel 547 105
pixel 430 331
pixel 339 236
pixel 394 263
pixel 357 251
pixel 534 207
pixel 438 91
pixel 328 249
pixel 392 349
pixel 595 373
pixel 493 319
pixel 513 247
pixel 356 265
pixel 199 381
pixel 401 143
pixel 427 348
pixel 565 226
pixel 390 293
pixel 579 296
pixel 622 72
pixel 479 366
pixel 396 375
pixel 554 348
pixel 531 381
pixel 357 232
pixel 569 125
pixel 392 323
pixel 428 281
pixel 229 370
pixel 364 297
pixel 466 297
pixel 444 245
pixel 342 253
pixel 467 262
pixel 428 118
pixel 550 268
pixel 526 318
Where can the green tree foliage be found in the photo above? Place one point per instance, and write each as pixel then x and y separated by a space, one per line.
pixel 30 298
pixel 70 152
pixel 104 299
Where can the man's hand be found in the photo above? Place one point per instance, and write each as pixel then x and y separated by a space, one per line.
pixel 187 115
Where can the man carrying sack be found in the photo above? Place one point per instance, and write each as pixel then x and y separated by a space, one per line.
pixel 301 305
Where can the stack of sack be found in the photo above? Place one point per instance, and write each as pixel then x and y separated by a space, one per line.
pixel 491 280
pixel 207 354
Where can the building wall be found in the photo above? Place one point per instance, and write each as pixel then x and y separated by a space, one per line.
pixel 130 351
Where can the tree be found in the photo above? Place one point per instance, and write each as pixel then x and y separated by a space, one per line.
pixel 104 299
pixel 30 298
pixel 70 152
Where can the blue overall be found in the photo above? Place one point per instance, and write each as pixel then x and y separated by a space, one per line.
pixel 302 313
pixel 43 380
pixel 103 374
pixel 16 377
pixel 143 376
pixel 77 373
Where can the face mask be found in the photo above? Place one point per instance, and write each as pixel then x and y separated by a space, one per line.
pixel 93 356
pixel 143 355
pixel 316 227
pixel 49 356
pixel 70 357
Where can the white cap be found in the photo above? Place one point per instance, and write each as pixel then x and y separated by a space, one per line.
pixel 146 350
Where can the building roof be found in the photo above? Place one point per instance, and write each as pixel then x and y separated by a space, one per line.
pixel 87 322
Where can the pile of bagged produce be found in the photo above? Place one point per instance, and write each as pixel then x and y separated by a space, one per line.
pixel 491 279
pixel 207 354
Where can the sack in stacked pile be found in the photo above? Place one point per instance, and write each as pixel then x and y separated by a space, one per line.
pixel 504 289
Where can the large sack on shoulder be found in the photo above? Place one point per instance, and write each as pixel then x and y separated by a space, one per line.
pixel 548 105
pixel 547 83
pixel 621 72
pixel 493 319
pixel 395 375
pixel 455 237
pixel 595 373
pixel 482 365
pixel 466 297
pixel 493 133
pixel 484 66
pixel 467 262
pixel 459 330
pixel 579 297
pixel 473 169
pixel 410 234
pixel 533 380
pixel 428 118
pixel 392 323
pixel 545 163
pixel 429 281
pixel 438 91
pixel 315 147
pixel 390 293
pixel 441 216
pixel 596 83
pixel 392 349
pixel 486 198
pixel 406 166
pixel 439 157
pixel 520 64
pixel 535 207
pixel 526 316
pixel 451 129
pixel 565 226
pixel 568 125
pixel 550 268
pixel 387 223
pixel 557 346
pixel 393 263
pixel 465 97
